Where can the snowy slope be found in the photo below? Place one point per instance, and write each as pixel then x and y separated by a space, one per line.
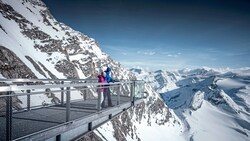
pixel 212 107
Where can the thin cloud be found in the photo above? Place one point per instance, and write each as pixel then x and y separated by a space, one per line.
pixel 232 54
pixel 146 52
pixel 124 53
pixel 171 54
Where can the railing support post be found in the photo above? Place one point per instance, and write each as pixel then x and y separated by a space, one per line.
pixel 85 92
pixel 62 94
pixel 58 138
pixel 132 89
pixel 68 104
pixel 9 117
pixel 28 100
pixel 118 96
pixel 99 100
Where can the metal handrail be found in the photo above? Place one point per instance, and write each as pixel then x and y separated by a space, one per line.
pixel 28 87
pixel 39 80
pixel 64 87
pixel 56 91
pixel 42 80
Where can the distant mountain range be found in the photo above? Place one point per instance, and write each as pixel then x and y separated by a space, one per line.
pixel 212 104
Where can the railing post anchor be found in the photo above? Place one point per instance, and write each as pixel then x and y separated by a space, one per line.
pixel 110 116
pixel 90 126
pixel 58 138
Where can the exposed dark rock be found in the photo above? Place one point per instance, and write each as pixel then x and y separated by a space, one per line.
pixel 46 16
pixel 139 111
pixel 30 10
pixel 118 133
pixel 51 95
pixel 51 45
pixel 158 107
pixel 37 67
pixel 91 136
pixel 37 3
pixel 67 68
pixel 50 74
pixel 12 67
pixel 9 13
pixel 35 33
pixel 15 103
pixel 3 29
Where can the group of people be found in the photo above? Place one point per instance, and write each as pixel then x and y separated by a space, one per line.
pixel 104 91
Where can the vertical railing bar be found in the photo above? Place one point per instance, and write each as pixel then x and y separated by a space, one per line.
pixel 62 94
pixel 99 99
pixel 143 89
pixel 118 96
pixel 68 104
pixel 9 116
pixel 132 93
pixel 131 89
pixel 28 100
pixel 85 93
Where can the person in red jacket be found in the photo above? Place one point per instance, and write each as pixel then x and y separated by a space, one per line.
pixel 101 79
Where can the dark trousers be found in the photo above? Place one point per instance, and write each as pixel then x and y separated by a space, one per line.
pixel 106 94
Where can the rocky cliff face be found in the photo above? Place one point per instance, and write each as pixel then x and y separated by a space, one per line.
pixel 34 45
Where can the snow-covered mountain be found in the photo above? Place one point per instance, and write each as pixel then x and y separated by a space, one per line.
pixel 151 120
pixel 212 104
pixel 35 45
pixel 161 81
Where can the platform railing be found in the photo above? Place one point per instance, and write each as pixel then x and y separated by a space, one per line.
pixel 64 91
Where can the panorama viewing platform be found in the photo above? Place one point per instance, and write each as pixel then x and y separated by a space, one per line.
pixel 60 109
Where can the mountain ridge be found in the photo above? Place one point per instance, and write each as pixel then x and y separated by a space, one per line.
pixel 204 98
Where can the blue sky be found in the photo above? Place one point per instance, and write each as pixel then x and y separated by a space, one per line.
pixel 162 34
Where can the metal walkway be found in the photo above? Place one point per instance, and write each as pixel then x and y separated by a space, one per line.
pixel 67 119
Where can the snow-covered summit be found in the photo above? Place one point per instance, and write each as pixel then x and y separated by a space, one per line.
pixel 160 80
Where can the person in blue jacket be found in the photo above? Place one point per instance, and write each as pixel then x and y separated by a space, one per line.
pixel 107 90
pixel 108 78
